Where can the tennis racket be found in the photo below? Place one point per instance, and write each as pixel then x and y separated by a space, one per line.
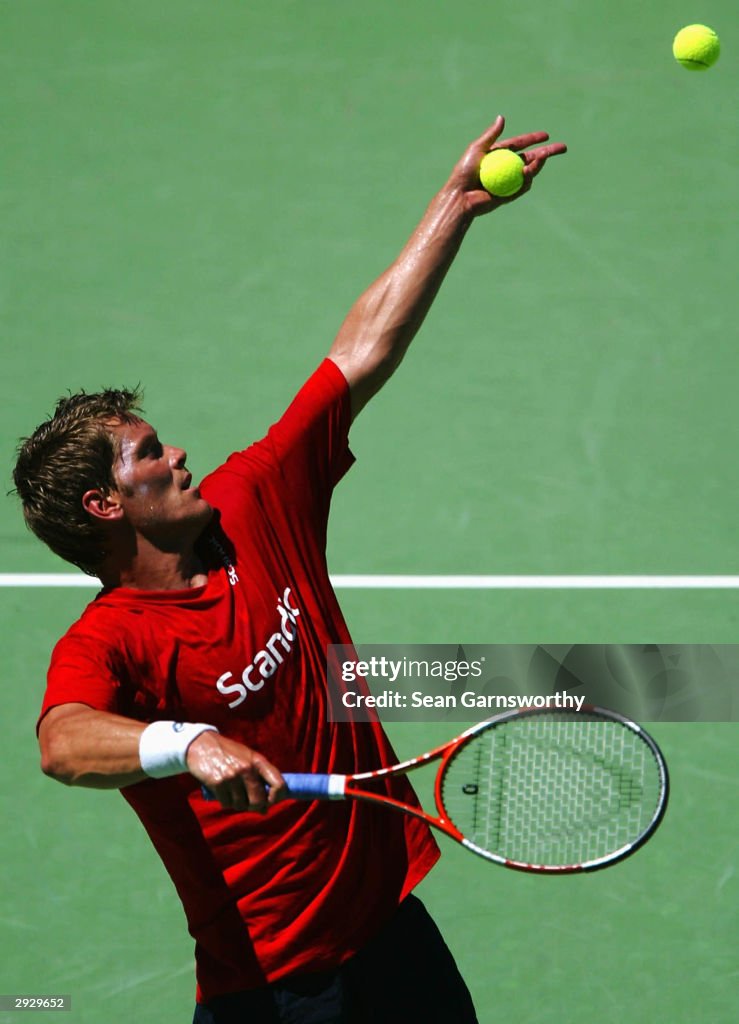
pixel 542 790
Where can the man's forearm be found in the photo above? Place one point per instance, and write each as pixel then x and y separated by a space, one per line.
pixel 384 320
pixel 382 323
pixel 84 747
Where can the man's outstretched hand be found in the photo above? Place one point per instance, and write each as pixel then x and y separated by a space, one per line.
pixel 533 148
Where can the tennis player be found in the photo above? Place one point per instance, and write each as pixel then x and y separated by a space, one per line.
pixel 203 661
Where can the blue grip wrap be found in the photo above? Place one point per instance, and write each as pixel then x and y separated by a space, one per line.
pixel 302 786
pixel 307 787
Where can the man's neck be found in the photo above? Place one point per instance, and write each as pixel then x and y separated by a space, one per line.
pixel 157 570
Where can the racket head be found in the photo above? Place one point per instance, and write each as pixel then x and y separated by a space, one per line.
pixel 553 791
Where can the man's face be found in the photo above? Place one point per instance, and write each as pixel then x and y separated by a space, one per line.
pixel 154 487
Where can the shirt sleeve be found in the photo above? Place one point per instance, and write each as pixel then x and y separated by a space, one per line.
pixel 308 447
pixel 311 440
pixel 81 671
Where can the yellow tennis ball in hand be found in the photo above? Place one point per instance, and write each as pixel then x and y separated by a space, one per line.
pixel 696 47
pixel 501 173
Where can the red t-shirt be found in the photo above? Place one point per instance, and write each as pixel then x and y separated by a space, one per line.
pixel 305 886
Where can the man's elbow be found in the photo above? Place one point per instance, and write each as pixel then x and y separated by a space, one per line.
pixel 54 768
pixel 54 757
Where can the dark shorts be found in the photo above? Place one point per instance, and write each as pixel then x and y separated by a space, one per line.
pixel 405 974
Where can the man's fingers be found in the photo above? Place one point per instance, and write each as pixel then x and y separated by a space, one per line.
pixel 275 784
pixel 239 794
pixel 256 793
pixel 239 778
pixel 264 785
pixel 522 141
pixel 488 137
pixel 544 152
pixel 253 789
pixel 536 158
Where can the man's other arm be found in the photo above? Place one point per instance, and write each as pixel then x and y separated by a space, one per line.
pixel 81 746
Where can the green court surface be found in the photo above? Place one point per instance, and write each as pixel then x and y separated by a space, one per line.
pixel 193 194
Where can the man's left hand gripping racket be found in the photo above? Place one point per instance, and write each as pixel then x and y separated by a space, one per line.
pixel 542 790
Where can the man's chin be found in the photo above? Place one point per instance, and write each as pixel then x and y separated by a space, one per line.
pixel 207 512
pixel 198 518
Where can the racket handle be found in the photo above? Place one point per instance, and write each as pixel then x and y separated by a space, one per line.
pixel 314 786
pixel 305 786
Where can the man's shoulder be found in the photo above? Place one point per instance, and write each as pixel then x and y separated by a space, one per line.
pixel 325 387
pixel 106 617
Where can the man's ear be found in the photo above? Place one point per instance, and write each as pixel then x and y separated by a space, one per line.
pixel 102 506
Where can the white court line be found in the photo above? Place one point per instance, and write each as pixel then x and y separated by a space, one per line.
pixel 47 579
pixel 389 582
pixel 536 582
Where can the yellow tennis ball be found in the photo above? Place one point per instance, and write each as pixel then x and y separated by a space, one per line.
pixel 696 47
pixel 501 173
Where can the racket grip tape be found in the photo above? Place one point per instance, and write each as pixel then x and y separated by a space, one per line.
pixel 305 786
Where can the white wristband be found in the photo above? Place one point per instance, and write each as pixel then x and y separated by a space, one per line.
pixel 163 747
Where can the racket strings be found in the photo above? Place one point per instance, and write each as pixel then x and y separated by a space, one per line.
pixel 549 790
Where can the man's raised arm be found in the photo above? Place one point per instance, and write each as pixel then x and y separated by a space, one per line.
pixel 384 320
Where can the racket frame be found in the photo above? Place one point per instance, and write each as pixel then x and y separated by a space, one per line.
pixel 316 786
pixel 448 750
